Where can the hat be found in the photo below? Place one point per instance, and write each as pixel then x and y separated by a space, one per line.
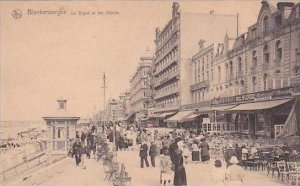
pixel 230 145
pixel 234 160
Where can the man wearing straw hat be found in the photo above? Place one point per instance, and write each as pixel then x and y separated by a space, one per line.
pixel 234 174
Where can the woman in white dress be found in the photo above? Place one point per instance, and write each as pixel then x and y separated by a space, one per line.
pixel 166 173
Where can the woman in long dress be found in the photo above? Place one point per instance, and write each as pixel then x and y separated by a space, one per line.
pixel 204 150
pixel 180 174
pixel 195 152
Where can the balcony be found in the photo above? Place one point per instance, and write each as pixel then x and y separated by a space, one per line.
pixel 200 85
pixel 277 63
pixel 253 70
pixel 168 93
pixel 240 74
pixel 167 108
pixel 295 80
pixel 167 78
pixel 266 66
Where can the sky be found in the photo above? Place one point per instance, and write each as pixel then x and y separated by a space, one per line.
pixel 46 57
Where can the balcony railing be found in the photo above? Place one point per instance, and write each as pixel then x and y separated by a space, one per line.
pixel 295 80
pixel 200 85
pixel 167 78
pixel 277 63
pixel 240 74
pixel 253 70
pixel 265 66
pixel 164 94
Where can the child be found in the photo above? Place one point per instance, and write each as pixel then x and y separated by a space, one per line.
pixel 218 174
pixel 186 153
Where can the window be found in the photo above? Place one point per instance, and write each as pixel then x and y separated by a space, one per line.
pixel 266 54
pixel 58 133
pixel 278 20
pixel 226 71
pixel 265 24
pixel 278 51
pixel 231 70
pixel 240 66
pixel 254 59
pixel 298 12
pixel 219 73
pixel 212 74
pixel 265 81
pixel 61 105
pixel 254 33
pixel 254 84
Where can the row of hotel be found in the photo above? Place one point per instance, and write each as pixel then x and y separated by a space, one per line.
pixel 247 84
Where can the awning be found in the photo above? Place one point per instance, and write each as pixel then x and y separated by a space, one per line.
pixel 290 126
pixel 222 108
pixel 179 116
pixel 191 117
pixel 206 109
pixel 260 105
pixel 129 116
pixel 163 115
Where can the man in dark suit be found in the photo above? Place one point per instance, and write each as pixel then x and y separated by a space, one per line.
pixel 144 154
pixel 152 153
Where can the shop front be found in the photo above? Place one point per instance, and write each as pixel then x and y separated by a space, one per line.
pixel 255 114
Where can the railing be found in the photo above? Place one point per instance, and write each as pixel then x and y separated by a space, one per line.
pixel 295 80
pixel 166 79
pixel 197 86
pixel 265 66
pixel 253 70
pixel 277 63
pixel 167 108
pixel 163 94
pixel 240 74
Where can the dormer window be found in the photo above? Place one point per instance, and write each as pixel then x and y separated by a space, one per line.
pixel 265 24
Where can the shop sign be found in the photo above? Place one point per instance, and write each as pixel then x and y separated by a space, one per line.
pixel 206 120
pixel 252 97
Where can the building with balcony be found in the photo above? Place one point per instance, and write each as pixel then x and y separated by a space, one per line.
pixel 140 88
pixel 251 83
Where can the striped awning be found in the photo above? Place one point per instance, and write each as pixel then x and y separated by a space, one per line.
pixel 179 116
pixel 259 105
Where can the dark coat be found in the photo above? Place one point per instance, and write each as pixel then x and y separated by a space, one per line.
pixel 204 149
pixel 180 174
pixel 228 154
pixel 172 149
pixel 152 151
pixel 144 150
pixel 238 152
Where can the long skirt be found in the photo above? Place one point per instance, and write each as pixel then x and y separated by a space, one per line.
pixel 205 158
pixel 180 177
pixel 195 156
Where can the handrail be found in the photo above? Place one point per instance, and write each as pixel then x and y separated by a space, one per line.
pixel 43 153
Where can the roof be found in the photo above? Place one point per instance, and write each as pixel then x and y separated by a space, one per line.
pixel 260 105
pixel 164 114
pixel 62 114
pixel 222 108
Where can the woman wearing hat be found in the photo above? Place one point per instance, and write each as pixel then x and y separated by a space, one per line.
pixel 180 174
pixel 234 173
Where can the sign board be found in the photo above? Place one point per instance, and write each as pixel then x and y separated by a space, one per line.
pixel 206 120
pixel 258 96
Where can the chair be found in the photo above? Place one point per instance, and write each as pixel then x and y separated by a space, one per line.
pixel 282 170
pixel 294 173
pixel 110 170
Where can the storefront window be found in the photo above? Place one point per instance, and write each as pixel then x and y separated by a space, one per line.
pixel 209 127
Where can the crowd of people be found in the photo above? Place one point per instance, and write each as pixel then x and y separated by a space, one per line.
pixel 173 149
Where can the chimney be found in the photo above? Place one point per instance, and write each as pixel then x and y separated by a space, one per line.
pixel 175 8
pixel 201 43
